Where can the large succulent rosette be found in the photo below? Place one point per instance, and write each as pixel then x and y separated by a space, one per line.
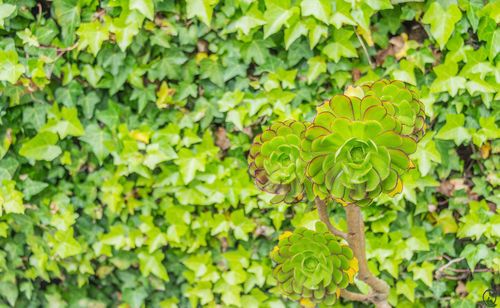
pixel 313 266
pixel 358 144
pixel 275 163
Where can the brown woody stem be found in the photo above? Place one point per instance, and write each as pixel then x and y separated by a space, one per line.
pixel 356 240
pixel 323 216
pixel 355 236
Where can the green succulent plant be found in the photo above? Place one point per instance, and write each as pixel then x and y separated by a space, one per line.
pixel 313 266
pixel 275 163
pixel 356 148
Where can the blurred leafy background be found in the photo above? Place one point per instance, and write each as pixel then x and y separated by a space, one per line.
pixel 125 127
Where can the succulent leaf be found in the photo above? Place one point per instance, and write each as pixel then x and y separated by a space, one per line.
pixel 312 266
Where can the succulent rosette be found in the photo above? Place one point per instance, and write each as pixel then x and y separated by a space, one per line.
pixel 355 149
pixel 313 266
pixel 275 162
pixel 408 109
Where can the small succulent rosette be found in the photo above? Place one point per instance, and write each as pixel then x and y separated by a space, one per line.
pixel 313 266
pixel 408 109
pixel 357 146
pixel 275 163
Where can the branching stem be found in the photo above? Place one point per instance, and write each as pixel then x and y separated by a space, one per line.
pixel 355 236
pixel 323 216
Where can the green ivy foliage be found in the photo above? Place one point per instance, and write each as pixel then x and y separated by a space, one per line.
pixel 125 126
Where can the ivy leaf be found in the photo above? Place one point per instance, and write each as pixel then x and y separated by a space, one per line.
pixel 488 131
pixel 423 272
pixel 28 38
pixel 454 129
pixel 256 50
pixel 203 291
pixel 316 32
pixel 125 27
pixel 477 222
pixel 31 188
pixel 464 303
pixel 418 240
pixel 426 154
pixel 143 96
pixel 362 15
pixel 8 167
pixel 294 32
pixel 252 18
pixel 41 147
pixel 340 46
pixel 212 69
pixel 164 96
pixel 492 10
pixel 407 288
pixel 157 153
pixel 146 7
pixel 493 45
pixel 276 15
pixel 472 8
pixel 68 16
pixel 11 200
pixel 64 243
pixel 447 79
pixel 474 254
pixel 189 164
pixel 201 8
pixel 379 4
pixel 111 115
pixel 151 263
pixel 447 221
pixel 97 138
pixel 342 15
pixel 9 291
pixel 442 22
pixel 318 8
pixel 241 225
pixel 64 123
pixel 5 11
pixel 229 100
pixel 92 34
pixel 317 66
pixel 10 69
pixel 169 65
pixel 135 297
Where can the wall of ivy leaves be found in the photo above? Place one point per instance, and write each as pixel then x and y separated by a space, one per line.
pixel 125 127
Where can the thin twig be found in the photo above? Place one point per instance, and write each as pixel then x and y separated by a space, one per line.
pixel 39 13
pixel 459 277
pixel 364 49
pixel 59 49
pixel 323 216
pixel 479 163
pixel 477 270
pixel 439 271
pixel 404 1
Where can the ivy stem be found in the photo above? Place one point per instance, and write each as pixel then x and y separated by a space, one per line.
pixel 323 216
pixel 356 240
